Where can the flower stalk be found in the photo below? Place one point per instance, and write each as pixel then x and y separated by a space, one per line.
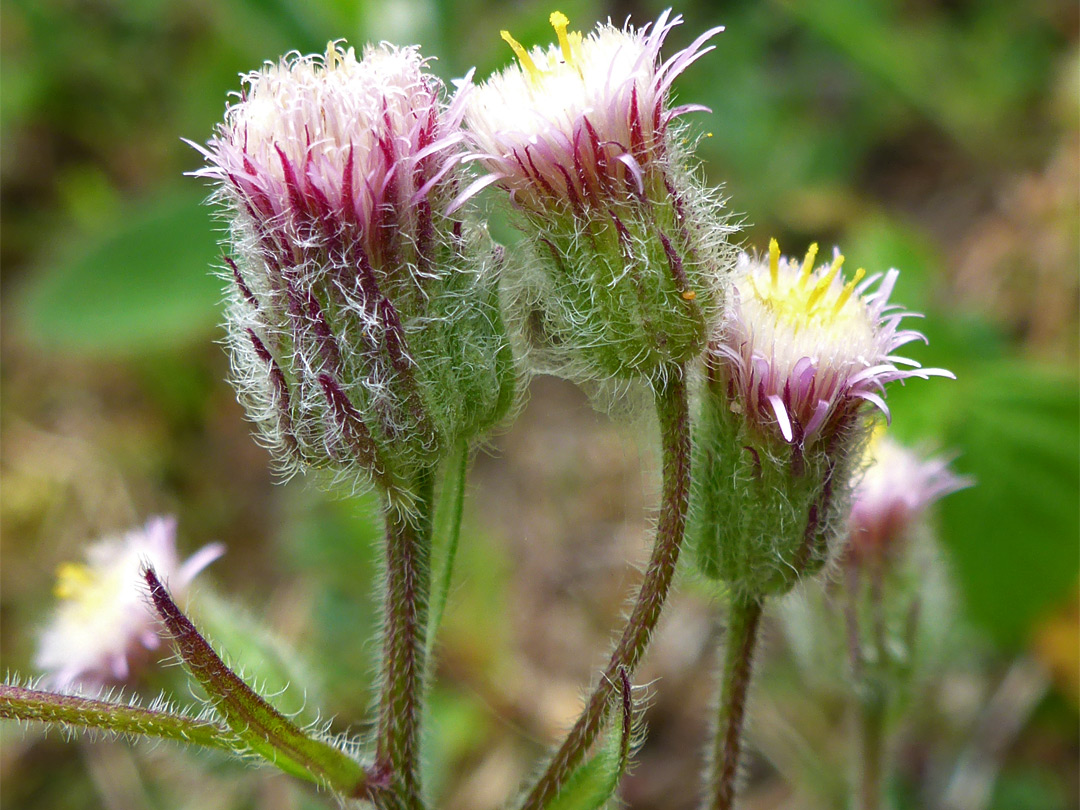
pixel 793 367
pixel 743 620
pixel 408 581
pixel 447 532
pixel 673 411
pixel 870 722
pixel 72 711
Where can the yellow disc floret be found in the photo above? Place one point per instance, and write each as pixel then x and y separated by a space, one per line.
pixel 522 55
pixel 805 298
pixel 73 580
pixel 569 47
pixel 83 588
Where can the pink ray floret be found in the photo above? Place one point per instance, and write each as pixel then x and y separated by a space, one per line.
pixel 893 492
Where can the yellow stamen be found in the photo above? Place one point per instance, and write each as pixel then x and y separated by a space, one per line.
pixel 774 262
pixel 71 580
pixel 808 263
pixel 849 288
pixel 689 295
pixel 559 22
pixel 824 282
pixel 522 55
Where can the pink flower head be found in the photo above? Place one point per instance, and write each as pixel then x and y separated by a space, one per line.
pixel 356 300
pixel 802 349
pixel 585 121
pixel 104 625
pixel 345 152
pixel 893 492
pixel 626 255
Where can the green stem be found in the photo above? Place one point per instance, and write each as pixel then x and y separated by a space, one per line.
pixel 18 703
pixel 673 412
pixel 743 619
pixel 870 723
pixel 870 699
pixel 408 580
pixel 447 531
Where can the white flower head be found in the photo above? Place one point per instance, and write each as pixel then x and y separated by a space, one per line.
pixel 103 623
pixel 626 258
pixel 793 369
pixel 805 349
pixel 585 119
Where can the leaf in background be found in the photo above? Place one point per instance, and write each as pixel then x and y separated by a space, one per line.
pixel 879 242
pixel 335 545
pixel 1013 537
pixel 142 285
pixel 969 79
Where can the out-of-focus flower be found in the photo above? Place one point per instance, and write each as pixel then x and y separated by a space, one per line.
pixel 893 492
pixel 629 252
pixel 363 318
pixel 103 624
pixel 789 372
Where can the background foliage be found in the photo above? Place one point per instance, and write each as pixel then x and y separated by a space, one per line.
pixel 938 137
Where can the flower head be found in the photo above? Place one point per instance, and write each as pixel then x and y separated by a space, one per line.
pixel 585 122
pixel 103 624
pixel 893 492
pixel 362 319
pixel 804 348
pixel 796 363
pixel 629 251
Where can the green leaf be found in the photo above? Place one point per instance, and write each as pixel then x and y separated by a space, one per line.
pixel 142 285
pixel 594 783
pixel 262 656
pixel 1013 536
pixel 266 731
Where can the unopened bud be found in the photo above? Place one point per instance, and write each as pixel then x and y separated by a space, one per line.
pixel 363 317
pixel 627 252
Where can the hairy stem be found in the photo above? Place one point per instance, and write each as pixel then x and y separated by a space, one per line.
pixel 408 579
pixel 743 620
pixel 673 412
pixel 447 532
pixel 19 703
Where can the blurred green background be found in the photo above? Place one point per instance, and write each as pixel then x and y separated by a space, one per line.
pixel 938 137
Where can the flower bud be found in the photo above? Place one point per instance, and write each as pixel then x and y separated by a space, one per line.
pixel 626 251
pixel 783 418
pixel 103 625
pixel 363 317
pixel 881 623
